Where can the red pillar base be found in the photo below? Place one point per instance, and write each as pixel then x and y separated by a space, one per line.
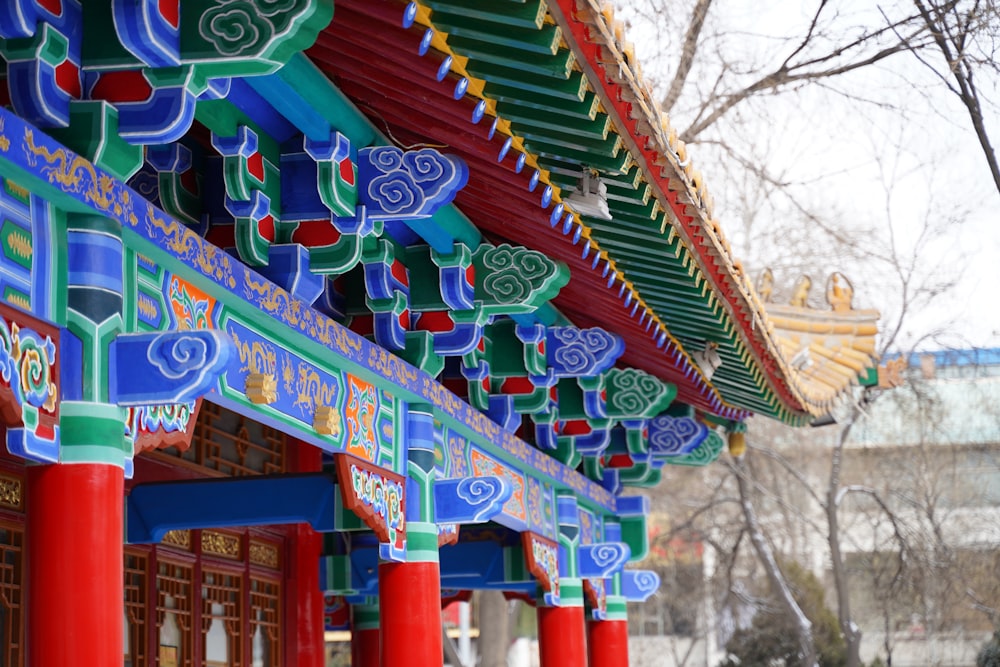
pixel 561 637
pixel 410 614
pixel 607 643
pixel 75 583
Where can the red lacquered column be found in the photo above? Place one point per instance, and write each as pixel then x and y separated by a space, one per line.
pixel 309 640
pixel 607 643
pixel 365 636
pixel 562 636
pixel 410 614
pixel 310 646
pixel 75 589
pixel 409 593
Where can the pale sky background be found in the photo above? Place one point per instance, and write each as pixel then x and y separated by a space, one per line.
pixel 841 158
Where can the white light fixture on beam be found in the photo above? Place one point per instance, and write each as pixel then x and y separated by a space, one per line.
pixel 590 198
pixel 708 359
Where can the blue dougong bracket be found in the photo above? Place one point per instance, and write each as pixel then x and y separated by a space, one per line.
pixel 470 500
pixel 167 368
pixel 603 560
pixel 638 585
pixel 154 509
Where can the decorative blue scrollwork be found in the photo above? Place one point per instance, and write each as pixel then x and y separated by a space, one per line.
pixel 675 436
pixel 471 499
pixel 602 560
pixel 398 185
pixel 168 367
pixel 573 352
pixel 638 585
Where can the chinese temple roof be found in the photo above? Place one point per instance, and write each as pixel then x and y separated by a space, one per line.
pixel 534 96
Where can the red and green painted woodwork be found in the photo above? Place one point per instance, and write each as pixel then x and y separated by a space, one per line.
pixel 365 638
pixel 516 369
pixel 561 626
pixel 149 60
pixel 631 398
pixel 410 591
pixel 602 555
pixel 27 251
pixel 607 629
pixel 179 276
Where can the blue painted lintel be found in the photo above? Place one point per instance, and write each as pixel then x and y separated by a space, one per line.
pixel 156 508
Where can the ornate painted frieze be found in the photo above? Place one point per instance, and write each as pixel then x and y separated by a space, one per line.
pixel 160 426
pixel 514 510
pixel 71 181
pixel 542 557
pixel 378 497
pixel 29 385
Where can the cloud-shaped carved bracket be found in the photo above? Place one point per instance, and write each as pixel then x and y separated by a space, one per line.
pixel 603 560
pixel 471 499
pixel 167 367
pixel 638 585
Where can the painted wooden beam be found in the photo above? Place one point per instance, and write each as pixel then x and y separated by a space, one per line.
pixel 154 509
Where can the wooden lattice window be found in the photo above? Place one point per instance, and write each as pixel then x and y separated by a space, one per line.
pixel 11 610
pixel 265 622
pixel 173 615
pixel 231 444
pixel 222 619
pixel 135 609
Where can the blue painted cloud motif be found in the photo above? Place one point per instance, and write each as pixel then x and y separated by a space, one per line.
pixel 401 185
pixel 175 356
pixel 675 436
pixel 576 352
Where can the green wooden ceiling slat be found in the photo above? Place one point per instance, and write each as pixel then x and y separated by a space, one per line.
pixel 529 15
pixel 573 88
pixel 552 118
pixel 587 107
pixel 544 40
pixel 559 65
pixel 600 162
pixel 610 147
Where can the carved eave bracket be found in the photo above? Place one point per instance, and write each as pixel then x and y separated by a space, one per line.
pixel 378 497
pixel 29 385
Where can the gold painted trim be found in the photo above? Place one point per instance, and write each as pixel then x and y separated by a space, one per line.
pixel 221 544
pixel 11 493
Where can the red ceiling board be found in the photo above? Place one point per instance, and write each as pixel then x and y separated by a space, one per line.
pixel 398 90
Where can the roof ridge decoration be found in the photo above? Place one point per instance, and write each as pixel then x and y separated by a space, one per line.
pixel 826 350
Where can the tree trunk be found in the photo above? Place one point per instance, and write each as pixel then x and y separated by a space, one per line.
pixel 494 629
pixel 803 627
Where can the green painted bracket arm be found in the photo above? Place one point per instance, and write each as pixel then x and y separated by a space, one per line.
pixel 303 94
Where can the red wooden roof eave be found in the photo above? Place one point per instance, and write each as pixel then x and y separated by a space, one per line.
pixel 427 96
pixel 710 265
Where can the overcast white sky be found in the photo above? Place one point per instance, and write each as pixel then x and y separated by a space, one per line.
pixel 843 159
